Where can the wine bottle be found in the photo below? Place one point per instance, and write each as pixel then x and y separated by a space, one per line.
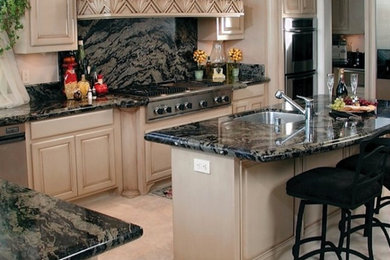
pixel 341 90
pixel 82 62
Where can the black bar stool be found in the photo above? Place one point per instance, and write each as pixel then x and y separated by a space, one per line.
pixel 351 162
pixel 343 188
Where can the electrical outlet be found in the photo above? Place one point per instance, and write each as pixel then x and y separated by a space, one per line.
pixel 26 76
pixel 202 166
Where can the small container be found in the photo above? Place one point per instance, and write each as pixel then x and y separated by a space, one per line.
pixel 83 85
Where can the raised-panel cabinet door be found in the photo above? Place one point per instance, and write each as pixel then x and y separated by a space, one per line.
pixel 52 22
pixel 340 16
pixel 95 156
pixel 309 6
pixel 158 161
pixel 230 28
pixel 54 167
pixel 292 6
pixel 240 106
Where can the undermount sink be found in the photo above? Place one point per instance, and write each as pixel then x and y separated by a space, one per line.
pixel 273 117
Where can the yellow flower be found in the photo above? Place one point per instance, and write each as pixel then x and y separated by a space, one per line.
pixel 235 54
pixel 200 56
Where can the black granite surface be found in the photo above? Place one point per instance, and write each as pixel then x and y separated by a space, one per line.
pixel 48 101
pixel 51 108
pixel 36 226
pixel 251 140
pixel 140 51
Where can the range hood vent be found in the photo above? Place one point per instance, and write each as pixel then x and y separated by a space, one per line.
pixel 103 9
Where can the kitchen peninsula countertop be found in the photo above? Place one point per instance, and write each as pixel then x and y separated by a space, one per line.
pixel 249 140
pixel 36 226
pixel 51 108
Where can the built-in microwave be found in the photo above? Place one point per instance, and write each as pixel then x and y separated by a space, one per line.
pixel 300 45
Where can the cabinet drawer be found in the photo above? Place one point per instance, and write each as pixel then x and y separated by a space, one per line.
pixel 73 123
pixel 248 92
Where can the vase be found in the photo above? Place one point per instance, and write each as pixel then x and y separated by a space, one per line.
pixel 198 74
pixel 235 72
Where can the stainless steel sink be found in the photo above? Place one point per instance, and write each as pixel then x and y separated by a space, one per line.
pixel 273 118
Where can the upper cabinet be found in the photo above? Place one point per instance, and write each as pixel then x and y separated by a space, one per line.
pixel 95 9
pixel 221 28
pixel 348 16
pixel 299 8
pixel 49 26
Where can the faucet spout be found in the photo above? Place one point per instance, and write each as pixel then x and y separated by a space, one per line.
pixel 280 94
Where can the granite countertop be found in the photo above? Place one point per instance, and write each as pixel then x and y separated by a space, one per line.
pixel 55 107
pixel 233 136
pixel 36 226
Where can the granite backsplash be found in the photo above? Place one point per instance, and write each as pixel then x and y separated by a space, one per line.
pixel 140 51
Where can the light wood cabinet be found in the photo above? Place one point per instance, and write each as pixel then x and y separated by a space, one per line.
pixel 49 26
pixel 54 167
pixel 250 98
pixel 221 28
pixel 77 155
pixel 299 7
pixel 95 157
pixel 348 16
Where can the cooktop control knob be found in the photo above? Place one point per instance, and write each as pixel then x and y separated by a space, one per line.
pixel 159 110
pixel 203 103
pixel 168 109
pixel 180 107
pixel 188 105
pixel 225 98
pixel 218 99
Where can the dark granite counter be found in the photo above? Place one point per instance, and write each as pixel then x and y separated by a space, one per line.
pixel 54 105
pixel 50 108
pixel 36 226
pixel 237 137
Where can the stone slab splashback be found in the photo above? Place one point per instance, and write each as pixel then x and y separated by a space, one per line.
pixel 140 51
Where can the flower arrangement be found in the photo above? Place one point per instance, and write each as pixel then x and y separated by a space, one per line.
pixel 200 57
pixel 235 54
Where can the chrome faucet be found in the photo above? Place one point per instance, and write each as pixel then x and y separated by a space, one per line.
pixel 308 111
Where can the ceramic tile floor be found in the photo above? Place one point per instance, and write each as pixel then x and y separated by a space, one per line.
pixel 154 214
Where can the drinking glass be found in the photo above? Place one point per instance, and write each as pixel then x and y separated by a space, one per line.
pixel 354 83
pixel 330 83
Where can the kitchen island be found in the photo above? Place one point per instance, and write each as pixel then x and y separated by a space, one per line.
pixel 36 226
pixel 229 175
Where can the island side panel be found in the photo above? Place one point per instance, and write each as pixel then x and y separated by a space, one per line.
pixel 267 211
pixel 205 207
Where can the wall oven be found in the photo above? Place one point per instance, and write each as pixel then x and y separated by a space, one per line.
pixel 300 53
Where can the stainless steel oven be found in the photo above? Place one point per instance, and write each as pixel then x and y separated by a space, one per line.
pixel 301 84
pixel 300 45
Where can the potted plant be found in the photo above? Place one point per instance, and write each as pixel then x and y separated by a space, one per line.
pixel 200 57
pixel 10 13
pixel 235 55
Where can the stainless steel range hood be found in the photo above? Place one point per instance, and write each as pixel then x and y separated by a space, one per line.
pixel 105 9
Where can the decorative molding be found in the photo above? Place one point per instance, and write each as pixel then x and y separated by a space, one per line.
pixel 97 9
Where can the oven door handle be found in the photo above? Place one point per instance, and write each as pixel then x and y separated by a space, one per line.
pixel 307 31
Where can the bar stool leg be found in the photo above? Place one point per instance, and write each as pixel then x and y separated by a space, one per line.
pixel 370 214
pixel 298 230
pixel 323 231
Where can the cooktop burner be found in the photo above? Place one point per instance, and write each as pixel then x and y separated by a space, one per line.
pixel 152 91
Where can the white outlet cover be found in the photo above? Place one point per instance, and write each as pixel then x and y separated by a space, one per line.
pixel 202 166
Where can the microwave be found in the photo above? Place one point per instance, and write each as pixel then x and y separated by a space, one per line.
pixel 339 53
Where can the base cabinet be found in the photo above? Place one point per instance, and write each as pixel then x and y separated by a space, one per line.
pixel 250 98
pixel 78 163
pixel 54 167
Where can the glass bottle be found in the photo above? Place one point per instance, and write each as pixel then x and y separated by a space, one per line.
pixel 83 85
pixel 341 90
pixel 81 59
